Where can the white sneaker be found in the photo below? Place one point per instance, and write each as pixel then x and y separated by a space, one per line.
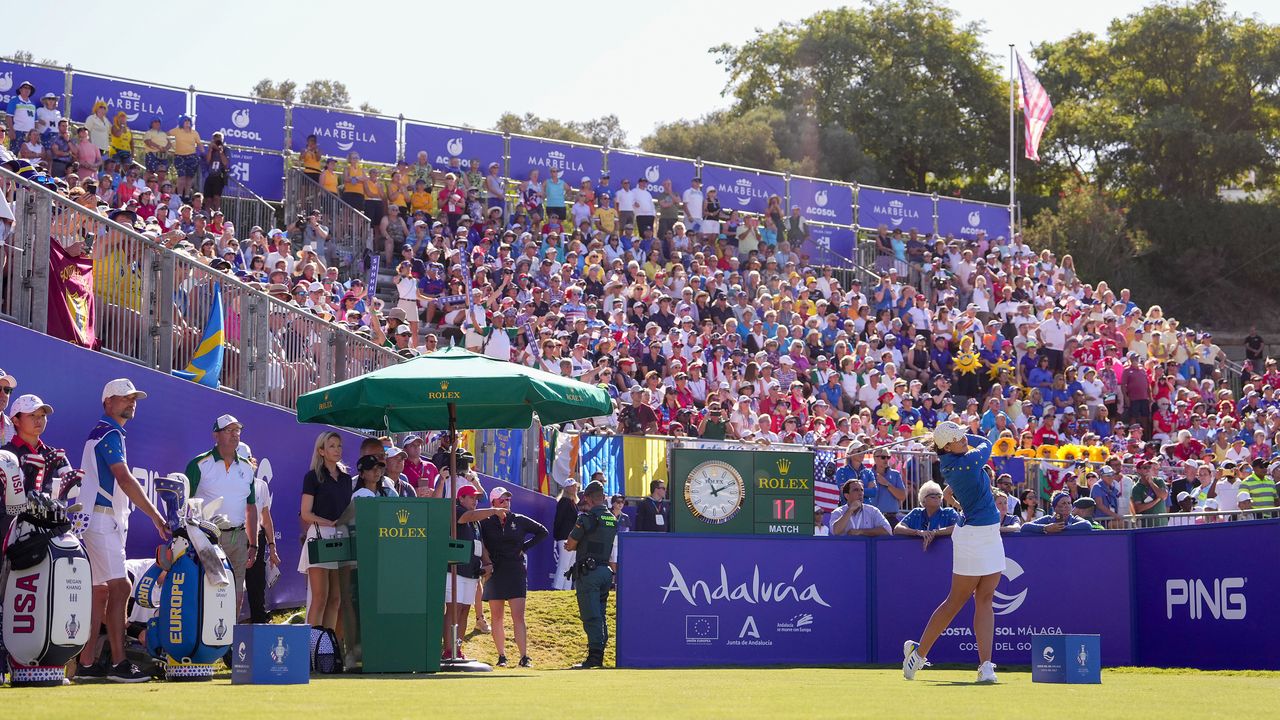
pixel 987 672
pixel 911 660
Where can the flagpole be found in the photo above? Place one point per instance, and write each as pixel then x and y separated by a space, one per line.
pixel 1012 156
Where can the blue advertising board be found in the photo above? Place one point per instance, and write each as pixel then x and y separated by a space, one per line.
pixel 894 209
pixel 46 80
pixel 1070 659
pixel 965 220
pixel 691 600
pixel 573 161
pixel 829 244
pixel 441 144
pixel 822 201
pixel 339 132
pixel 742 189
pixel 1204 596
pixel 271 655
pixel 1036 596
pixel 139 101
pixel 654 168
pixel 262 173
pixel 248 123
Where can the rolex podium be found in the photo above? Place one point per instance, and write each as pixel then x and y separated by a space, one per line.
pixel 393 596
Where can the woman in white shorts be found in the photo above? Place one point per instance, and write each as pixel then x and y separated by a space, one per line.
pixel 977 550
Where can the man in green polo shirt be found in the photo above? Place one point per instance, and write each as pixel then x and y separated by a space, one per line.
pixel 223 473
pixel 1260 486
pixel 1149 495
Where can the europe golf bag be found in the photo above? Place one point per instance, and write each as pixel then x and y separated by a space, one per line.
pixel 190 584
pixel 45 579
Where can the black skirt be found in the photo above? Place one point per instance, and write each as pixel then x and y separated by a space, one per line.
pixel 509 580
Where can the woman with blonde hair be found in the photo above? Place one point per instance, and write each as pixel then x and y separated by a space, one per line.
pixel 326 492
pixel 121 140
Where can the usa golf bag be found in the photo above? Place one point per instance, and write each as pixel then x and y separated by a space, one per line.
pixel 45 579
pixel 191 585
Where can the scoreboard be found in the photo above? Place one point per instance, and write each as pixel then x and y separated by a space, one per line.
pixel 741 492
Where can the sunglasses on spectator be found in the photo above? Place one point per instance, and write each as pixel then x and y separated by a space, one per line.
pixel 6 390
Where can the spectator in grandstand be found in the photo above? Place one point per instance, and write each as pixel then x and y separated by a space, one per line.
pixel 1105 492
pixel 1084 508
pixel 930 519
pixel 653 513
pixel 1062 519
pixel 219 171
pixel 1261 483
pixel 1149 495
pixel 855 517
pixel 1029 506
pixel 506 539
pixel 186 155
pixel 883 486
pixel 312 159
pixel 566 515
pixel 22 114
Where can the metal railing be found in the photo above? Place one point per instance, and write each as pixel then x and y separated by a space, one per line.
pixel 350 230
pixel 244 208
pixel 151 305
pixel 1197 517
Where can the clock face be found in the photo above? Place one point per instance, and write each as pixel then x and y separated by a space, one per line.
pixel 714 492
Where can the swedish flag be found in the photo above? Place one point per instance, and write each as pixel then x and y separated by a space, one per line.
pixel 206 364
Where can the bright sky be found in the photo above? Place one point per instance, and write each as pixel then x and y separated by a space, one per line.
pixel 414 58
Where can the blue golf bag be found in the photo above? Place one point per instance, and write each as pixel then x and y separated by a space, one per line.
pixel 191 585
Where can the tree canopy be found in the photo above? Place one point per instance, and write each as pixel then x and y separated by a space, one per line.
pixel 604 130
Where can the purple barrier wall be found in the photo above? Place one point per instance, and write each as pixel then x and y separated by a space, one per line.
pixel 966 219
pixel 690 601
pixel 541 557
pixel 655 169
pixel 823 201
pixel 45 79
pixel 1040 593
pixel 242 122
pixel 339 132
pixel 173 425
pixel 1204 596
pixel 894 209
pixel 573 161
pixel 139 101
pixel 443 143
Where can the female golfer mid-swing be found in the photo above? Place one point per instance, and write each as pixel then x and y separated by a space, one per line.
pixel 977 556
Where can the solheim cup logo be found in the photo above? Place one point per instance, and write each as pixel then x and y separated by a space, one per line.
pixel 820 198
pixel 653 173
pixel 402 516
pixel 240 118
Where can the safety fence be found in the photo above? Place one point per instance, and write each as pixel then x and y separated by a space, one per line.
pixel 350 230
pixel 152 305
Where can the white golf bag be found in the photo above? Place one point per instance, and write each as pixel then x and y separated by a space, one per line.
pixel 47 585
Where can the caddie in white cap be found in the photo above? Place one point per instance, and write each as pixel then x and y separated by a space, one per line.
pixel 108 488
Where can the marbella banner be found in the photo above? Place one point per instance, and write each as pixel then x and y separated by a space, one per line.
pixel 249 123
pixel 1204 596
pixel 894 209
pixel 140 102
pixel 444 143
pixel 965 220
pixel 653 168
pixel 339 132
pixel 693 601
pixel 742 189
pixel 46 80
pixel 71 307
pixel 262 173
pixel 573 161
pixel 822 201
pixel 171 427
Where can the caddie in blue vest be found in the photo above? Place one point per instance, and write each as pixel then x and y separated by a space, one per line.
pixel 593 537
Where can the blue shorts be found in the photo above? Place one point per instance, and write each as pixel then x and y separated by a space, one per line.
pixel 156 162
pixel 186 165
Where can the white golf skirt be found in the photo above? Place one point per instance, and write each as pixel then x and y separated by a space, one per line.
pixel 977 550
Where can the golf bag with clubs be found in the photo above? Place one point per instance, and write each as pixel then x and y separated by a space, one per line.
pixel 191 585
pixel 46 582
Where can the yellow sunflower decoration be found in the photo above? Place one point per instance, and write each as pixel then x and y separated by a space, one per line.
pixel 1099 453
pixel 1070 452
pixel 967 363
pixel 1001 365
pixel 1004 447
pixel 1025 453
pixel 1047 452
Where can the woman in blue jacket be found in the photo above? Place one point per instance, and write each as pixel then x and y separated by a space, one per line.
pixel 1060 521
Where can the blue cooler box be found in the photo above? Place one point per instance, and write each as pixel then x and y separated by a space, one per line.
pixel 271 655
pixel 1074 659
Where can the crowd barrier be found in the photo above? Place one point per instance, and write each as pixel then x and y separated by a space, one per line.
pixel 1172 597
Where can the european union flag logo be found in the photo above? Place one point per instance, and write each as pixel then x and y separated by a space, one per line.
pixel 206 364
pixel 701 627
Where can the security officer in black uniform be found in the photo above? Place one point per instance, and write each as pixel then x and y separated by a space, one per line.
pixel 593 537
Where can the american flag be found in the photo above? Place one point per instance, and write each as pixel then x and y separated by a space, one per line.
pixel 826 496
pixel 1036 109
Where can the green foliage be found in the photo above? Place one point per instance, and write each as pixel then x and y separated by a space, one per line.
pixel 328 93
pixel 725 136
pixel 1176 101
pixel 1091 228
pixel 26 56
pixel 604 130
pixel 284 91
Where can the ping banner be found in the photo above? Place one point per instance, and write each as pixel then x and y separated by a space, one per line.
pixel 244 122
pixel 896 210
pixel 441 144
pixel 139 102
pixel 965 220
pixel 339 132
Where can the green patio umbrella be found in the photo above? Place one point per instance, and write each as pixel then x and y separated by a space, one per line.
pixel 451 389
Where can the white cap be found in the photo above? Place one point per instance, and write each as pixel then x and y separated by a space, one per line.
pixel 121 387
pixel 1184 495
pixel 28 404
pixel 315 286
pixel 946 433
pixel 1243 495
pixel 243 450
pixel 225 421
pixel 8 379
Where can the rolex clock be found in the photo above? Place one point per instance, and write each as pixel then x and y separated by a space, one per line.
pixel 714 492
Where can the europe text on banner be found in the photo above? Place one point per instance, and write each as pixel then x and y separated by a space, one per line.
pixel 644 460
pixel 206 364
pixel 71 311
pixel 602 454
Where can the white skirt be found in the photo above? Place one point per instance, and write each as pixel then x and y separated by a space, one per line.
pixel 977 550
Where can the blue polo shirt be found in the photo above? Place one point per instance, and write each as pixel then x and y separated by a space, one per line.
pixel 883 501
pixel 847 472
pixel 917 520
pixel 1106 495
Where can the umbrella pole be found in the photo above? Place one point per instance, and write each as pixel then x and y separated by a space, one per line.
pixel 453 527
